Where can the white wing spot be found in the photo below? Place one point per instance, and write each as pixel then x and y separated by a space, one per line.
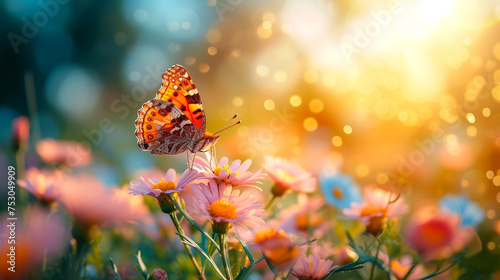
pixel 175 87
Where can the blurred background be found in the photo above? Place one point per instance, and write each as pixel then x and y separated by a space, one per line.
pixel 391 92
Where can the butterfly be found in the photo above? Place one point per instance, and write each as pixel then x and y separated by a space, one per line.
pixel 174 122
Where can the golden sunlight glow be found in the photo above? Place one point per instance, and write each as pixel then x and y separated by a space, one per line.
pixel 329 81
pixel 382 178
pixel 347 129
pixel 264 33
pixel 496 93
pixel 471 118
pixel 238 101
pixel 310 124
pixel 490 174
pixel 280 76
pixel 491 214
pixel 316 105
pixel 295 100
pixel 189 60
pixel 204 68
pixel 486 112
pixel 236 52
pixel 269 104
pixel 267 25
pixel 496 181
pixel 310 76
pixel 212 50
pixel 262 70
pixel 213 36
pixel 496 51
pixel 362 170
pixel 471 131
pixel 243 131
pixel 337 141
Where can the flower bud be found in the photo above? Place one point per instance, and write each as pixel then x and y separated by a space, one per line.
pixel 20 132
pixel 166 204
pixel 158 274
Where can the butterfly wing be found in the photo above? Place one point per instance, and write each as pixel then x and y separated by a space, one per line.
pixel 162 128
pixel 179 89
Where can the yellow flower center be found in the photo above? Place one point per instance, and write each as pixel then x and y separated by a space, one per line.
pixel 285 175
pixel 282 254
pixel 218 169
pixel 303 222
pixel 222 209
pixel 42 189
pixel 310 268
pixel 164 185
pixel 368 211
pixel 268 233
pixel 337 193
pixel 398 268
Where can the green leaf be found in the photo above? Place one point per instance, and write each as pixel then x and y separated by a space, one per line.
pixel 140 266
pixel 195 224
pixel 190 242
pixel 271 266
pixel 307 242
pixel 249 255
pixel 454 262
pixel 115 269
pixel 246 270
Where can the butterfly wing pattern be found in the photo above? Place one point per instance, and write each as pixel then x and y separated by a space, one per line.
pixel 174 121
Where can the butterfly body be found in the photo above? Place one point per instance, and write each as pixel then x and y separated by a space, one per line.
pixel 174 122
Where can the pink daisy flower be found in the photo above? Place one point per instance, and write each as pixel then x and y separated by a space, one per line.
pixel 168 184
pixel 227 207
pixel 43 184
pixel 343 255
pixel 303 218
pixel 310 268
pixel 435 234
pixel 235 174
pixel 288 175
pixel 69 153
pixel 378 205
pixel 91 203
pixel 161 188
pixel 276 245
pixel 400 267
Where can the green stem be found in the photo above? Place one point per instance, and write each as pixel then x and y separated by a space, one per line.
pixel 372 272
pixel 188 250
pixel 224 257
pixel 269 203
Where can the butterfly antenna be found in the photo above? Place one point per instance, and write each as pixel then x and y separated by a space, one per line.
pixel 224 128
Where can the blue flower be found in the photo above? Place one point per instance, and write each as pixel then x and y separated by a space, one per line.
pixel 340 190
pixel 470 213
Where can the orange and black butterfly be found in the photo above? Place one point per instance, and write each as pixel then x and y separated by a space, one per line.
pixel 174 122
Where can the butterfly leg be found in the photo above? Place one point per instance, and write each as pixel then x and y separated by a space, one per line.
pixel 212 157
pixel 190 159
